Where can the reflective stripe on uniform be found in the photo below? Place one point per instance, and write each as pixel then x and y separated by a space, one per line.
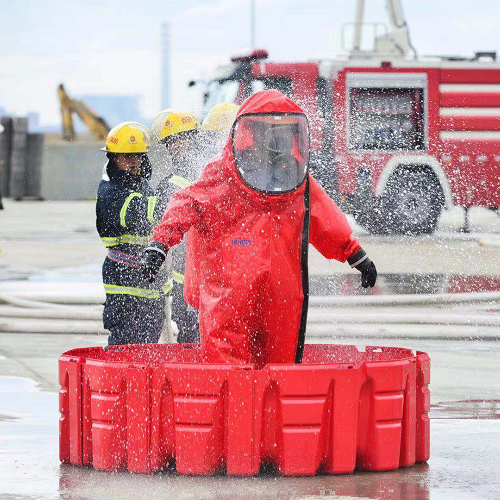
pixel 124 258
pixel 178 277
pixel 167 287
pixel 179 181
pixel 145 293
pixel 129 239
pixel 123 211
pixel 151 209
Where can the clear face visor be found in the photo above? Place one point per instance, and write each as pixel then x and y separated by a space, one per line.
pixel 272 151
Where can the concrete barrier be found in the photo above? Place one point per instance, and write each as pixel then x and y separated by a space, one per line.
pixel 71 170
pixel 5 152
pixel 18 157
pixel 33 173
pixel 46 167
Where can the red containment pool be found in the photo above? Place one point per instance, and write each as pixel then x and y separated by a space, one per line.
pixel 144 408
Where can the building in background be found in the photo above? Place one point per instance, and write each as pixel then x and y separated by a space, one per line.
pixel 165 65
pixel 113 108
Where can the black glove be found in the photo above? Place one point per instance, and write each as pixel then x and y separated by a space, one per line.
pixel 366 267
pixel 152 259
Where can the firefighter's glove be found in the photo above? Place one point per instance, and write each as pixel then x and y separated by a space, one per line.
pixel 152 259
pixel 366 267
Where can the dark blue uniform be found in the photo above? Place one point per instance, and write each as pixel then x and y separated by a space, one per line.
pixel 126 211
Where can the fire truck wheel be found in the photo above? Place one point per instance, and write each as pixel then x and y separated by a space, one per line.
pixel 411 203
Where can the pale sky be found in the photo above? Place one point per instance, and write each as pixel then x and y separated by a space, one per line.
pixel 113 47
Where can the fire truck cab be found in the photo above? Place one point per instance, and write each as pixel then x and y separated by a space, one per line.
pixel 394 139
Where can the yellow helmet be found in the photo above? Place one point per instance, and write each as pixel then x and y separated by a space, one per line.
pixel 127 137
pixel 221 117
pixel 171 122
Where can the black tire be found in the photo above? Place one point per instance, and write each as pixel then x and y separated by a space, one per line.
pixel 369 218
pixel 411 203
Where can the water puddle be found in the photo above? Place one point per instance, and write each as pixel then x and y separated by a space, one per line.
pixel 398 284
pixel 329 284
pixel 28 439
pixel 84 274
pixel 479 409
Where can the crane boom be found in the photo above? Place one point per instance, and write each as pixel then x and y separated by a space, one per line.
pixel 395 43
pixel 360 14
pixel 399 36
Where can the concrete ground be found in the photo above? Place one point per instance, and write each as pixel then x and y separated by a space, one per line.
pixel 56 242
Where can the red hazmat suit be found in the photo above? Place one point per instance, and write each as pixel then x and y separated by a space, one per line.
pixel 246 268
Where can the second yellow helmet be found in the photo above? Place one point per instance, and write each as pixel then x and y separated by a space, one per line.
pixel 171 122
pixel 221 117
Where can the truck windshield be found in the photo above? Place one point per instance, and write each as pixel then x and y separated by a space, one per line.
pixel 284 85
pixel 386 119
pixel 220 91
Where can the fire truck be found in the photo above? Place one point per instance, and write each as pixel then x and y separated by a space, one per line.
pixel 395 139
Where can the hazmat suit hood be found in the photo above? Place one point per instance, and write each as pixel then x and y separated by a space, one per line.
pixel 269 143
pixel 268 102
pixel 224 169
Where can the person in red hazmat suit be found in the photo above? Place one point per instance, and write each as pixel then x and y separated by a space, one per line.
pixel 253 212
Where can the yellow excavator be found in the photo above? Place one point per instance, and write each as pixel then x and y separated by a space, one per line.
pixel 96 124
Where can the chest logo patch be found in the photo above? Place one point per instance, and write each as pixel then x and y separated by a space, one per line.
pixel 241 243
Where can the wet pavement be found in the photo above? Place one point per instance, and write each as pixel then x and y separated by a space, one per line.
pixel 465 436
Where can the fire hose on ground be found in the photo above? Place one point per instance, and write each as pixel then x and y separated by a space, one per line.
pixel 94 299
pixel 39 313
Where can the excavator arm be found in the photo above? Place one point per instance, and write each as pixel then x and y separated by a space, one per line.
pixel 95 123
pixel 67 117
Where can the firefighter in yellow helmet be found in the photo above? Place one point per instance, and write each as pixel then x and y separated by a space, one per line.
pixel 178 131
pixel 215 129
pixel 126 212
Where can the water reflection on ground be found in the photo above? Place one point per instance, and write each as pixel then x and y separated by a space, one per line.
pixel 396 284
pixel 481 409
pixel 29 465
pixel 331 284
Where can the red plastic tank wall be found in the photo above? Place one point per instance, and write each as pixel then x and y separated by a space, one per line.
pixel 143 408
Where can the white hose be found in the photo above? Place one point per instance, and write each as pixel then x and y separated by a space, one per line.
pixel 51 326
pixel 315 301
pixel 56 318
pixel 322 332
pixel 426 317
pixel 74 293
pixel 74 321
pixel 409 299
pixel 88 300
pixel 489 242
pixel 52 313
pixel 30 303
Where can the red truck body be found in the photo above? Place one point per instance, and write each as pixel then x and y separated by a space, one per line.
pixel 394 140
